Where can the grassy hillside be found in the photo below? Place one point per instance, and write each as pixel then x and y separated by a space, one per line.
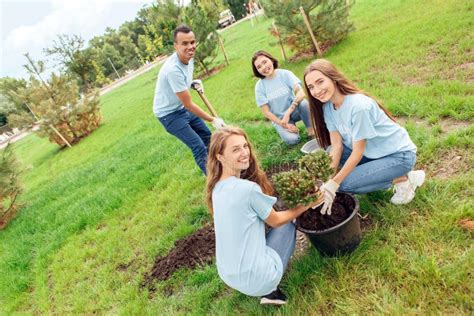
pixel 95 216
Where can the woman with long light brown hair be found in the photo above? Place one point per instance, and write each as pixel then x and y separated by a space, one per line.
pixel 238 195
pixel 372 150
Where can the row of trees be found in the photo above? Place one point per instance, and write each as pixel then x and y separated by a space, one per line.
pixel 140 41
pixel 57 102
pixel 65 106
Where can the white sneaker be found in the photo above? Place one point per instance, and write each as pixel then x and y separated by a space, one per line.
pixel 405 191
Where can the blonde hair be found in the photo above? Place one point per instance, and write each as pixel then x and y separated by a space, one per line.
pixel 214 167
pixel 344 85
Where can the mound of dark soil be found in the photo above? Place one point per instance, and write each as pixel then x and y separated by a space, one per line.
pixel 196 249
pixel 342 208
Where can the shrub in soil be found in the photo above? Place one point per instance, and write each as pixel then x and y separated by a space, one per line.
pixel 9 186
pixel 301 186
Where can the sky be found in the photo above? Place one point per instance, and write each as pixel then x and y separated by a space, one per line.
pixel 32 25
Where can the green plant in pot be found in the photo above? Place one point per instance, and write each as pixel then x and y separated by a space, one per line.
pixel 334 234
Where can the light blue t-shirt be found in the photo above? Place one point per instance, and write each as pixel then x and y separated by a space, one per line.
pixel 277 92
pixel 174 77
pixel 243 259
pixel 360 117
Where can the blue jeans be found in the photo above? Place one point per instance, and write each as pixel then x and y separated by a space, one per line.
pixel 376 174
pixel 300 114
pixel 282 239
pixel 192 131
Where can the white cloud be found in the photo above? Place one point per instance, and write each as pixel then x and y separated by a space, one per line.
pixel 68 17
pixel 87 18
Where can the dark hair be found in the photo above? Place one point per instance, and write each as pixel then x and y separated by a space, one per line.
pixel 262 53
pixel 183 28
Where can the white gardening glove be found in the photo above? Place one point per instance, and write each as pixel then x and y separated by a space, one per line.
pixel 196 84
pixel 328 190
pixel 217 123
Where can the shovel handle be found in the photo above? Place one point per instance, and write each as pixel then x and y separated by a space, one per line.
pixel 208 104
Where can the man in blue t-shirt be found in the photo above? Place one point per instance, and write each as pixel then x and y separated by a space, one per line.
pixel 172 104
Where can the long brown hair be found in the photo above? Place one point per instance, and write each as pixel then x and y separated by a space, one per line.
pixel 214 167
pixel 344 85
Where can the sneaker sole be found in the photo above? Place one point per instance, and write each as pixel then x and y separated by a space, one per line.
pixel 266 301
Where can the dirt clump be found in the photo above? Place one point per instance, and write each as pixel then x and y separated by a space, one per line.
pixel 196 249
pixel 467 224
pixel 342 208
pixel 311 53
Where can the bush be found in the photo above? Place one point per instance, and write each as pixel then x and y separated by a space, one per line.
pixel 56 106
pixel 302 186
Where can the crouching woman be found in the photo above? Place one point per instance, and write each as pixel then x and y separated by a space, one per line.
pixel 238 195
pixel 372 150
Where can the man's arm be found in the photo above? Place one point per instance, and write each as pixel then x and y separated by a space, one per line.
pixel 185 98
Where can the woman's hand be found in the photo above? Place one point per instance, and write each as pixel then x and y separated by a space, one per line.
pixel 284 120
pixel 292 128
pixel 313 204
pixel 328 191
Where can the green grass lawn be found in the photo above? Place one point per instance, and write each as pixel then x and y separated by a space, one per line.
pixel 94 217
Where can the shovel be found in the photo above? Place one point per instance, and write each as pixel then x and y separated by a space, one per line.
pixel 199 88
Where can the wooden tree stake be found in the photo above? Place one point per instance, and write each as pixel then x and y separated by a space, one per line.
pixel 306 21
pixel 221 44
pixel 282 48
pixel 51 126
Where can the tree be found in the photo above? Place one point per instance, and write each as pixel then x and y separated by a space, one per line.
pixel 237 7
pixel 70 54
pixel 9 185
pixel 162 18
pixel 57 105
pixel 203 16
pixel 328 18
pixel 10 103
pixel 149 46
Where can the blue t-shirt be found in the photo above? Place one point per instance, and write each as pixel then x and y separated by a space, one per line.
pixel 243 259
pixel 277 92
pixel 360 117
pixel 174 77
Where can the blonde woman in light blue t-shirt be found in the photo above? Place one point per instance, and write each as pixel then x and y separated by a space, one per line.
pixel 279 95
pixel 239 197
pixel 372 151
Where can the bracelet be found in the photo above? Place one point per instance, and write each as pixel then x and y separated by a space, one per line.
pixel 294 104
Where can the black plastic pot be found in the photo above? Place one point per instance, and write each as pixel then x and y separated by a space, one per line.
pixel 337 240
